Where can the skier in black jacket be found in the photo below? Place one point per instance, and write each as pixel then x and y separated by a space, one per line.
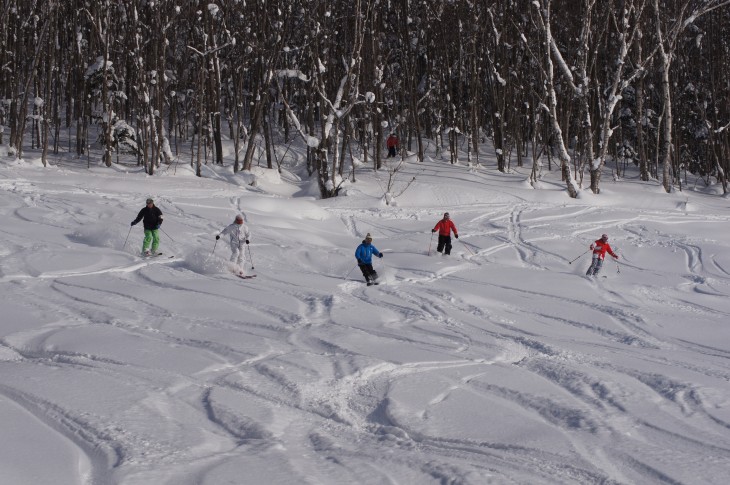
pixel 151 217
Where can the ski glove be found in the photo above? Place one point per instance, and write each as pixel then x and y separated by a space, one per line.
pixel 246 241
pixel 217 237
pixel 433 230
pixel 456 236
pixel 132 223
pixel 380 255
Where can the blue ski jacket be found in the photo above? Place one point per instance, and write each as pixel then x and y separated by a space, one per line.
pixel 364 253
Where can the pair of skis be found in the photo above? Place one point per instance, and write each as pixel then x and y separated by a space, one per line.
pixel 156 255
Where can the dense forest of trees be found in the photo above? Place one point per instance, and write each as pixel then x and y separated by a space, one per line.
pixel 577 83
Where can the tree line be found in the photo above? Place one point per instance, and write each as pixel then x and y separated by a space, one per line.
pixel 574 84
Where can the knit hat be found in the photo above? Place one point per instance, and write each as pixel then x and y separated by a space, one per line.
pixel 150 201
pixel 368 237
pixel 446 214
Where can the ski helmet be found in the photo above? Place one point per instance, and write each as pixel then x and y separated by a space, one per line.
pixel 604 237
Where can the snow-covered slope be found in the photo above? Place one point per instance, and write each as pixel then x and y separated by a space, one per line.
pixel 501 363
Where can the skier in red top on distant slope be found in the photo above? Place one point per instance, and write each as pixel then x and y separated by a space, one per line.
pixel 444 227
pixel 600 247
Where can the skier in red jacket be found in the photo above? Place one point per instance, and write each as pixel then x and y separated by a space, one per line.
pixel 444 227
pixel 392 143
pixel 600 247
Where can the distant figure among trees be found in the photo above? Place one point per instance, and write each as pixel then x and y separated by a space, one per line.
pixel 392 143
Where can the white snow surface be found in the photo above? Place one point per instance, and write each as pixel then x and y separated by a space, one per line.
pixel 501 363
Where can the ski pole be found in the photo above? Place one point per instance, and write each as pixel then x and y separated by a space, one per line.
pixel 581 254
pixel 249 255
pixel 211 253
pixel 125 241
pixel 466 246
pixel 166 234
pixel 430 242
pixel 348 273
pixel 214 245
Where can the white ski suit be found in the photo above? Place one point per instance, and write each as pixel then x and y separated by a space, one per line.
pixel 239 235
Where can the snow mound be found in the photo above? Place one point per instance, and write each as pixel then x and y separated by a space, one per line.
pixel 103 236
pixel 206 262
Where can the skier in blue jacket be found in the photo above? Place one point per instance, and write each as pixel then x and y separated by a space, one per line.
pixel 364 255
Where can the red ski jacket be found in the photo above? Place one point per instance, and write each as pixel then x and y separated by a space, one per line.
pixel 600 248
pixel 392 141
pixel 444 227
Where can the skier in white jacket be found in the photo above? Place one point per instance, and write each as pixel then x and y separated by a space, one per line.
pixel 238 232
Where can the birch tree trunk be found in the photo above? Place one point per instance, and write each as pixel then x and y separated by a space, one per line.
pixel 627 32
pixel 564 157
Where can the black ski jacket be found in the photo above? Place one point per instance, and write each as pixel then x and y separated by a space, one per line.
pixel 152 217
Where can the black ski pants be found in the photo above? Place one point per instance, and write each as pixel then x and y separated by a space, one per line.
pixel 444 244
pixel 368 272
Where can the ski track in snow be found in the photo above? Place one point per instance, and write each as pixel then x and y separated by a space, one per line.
pixel 369 396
